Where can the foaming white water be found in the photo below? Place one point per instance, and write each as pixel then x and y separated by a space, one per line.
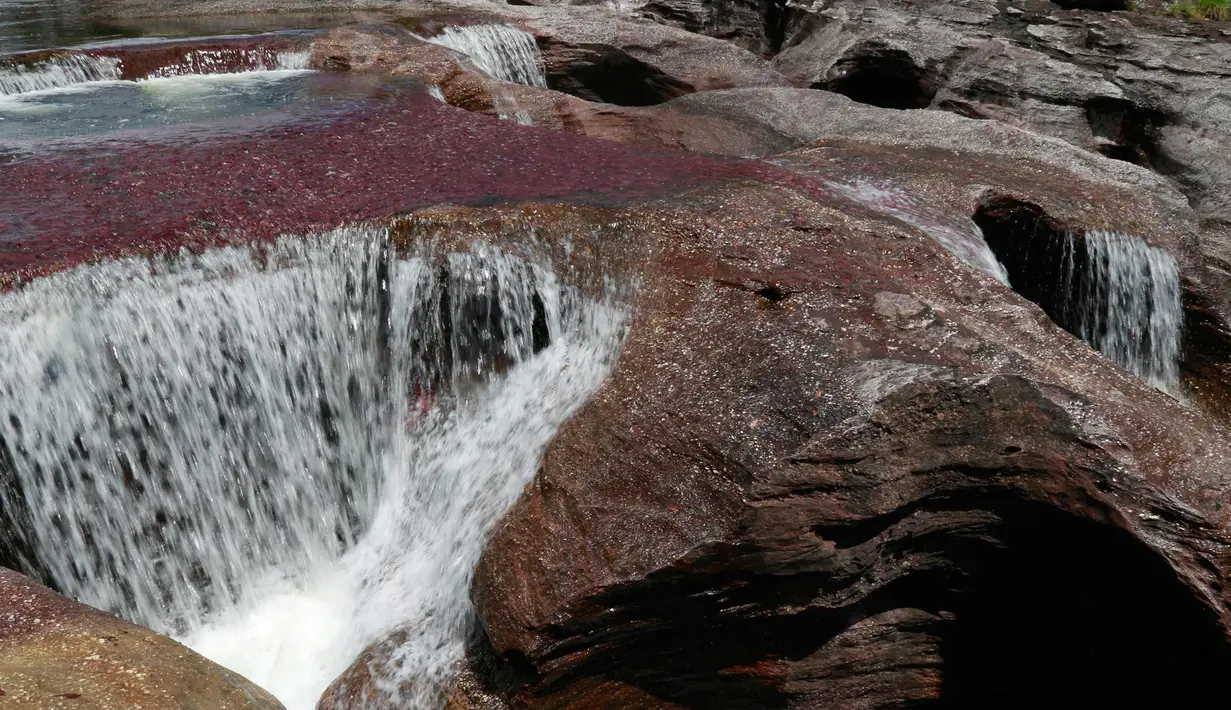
pixel 57 72
pixel 962 237
pixel 502 52
pixel 82 71
pixel 229 61
pixel 1126 303
pixel 186 84
pixel 283 456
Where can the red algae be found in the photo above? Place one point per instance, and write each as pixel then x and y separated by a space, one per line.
pixel 149 192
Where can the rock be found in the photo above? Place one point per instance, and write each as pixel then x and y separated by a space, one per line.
pixel 54 650
pixel 381 49
pixel 370 682
pixel 1048 96
pixel 825 497
pixel 600 72
pixel 363 684
pixel 1144 89
pixel 154 59
pixel 836 464
pixel 130 9
pixel 890 68
pixel 1104 5
pixel 693 61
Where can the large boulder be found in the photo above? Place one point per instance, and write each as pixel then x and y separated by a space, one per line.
pixel 837 467
pixel 57 653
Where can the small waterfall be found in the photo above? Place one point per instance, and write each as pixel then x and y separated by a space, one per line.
pixel 1125 301
pixel 502 52
pixel 283 454
pixel 225 61
pixel 57 72
pixel 962 238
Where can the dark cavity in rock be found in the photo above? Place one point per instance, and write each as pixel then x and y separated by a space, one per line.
pixel 1077 614
pixel 601 72
pixel 872 73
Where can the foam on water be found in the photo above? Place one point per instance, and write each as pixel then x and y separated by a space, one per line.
pixel 1125 301
pixel 283 455
pixel 502 52
pixel 57 72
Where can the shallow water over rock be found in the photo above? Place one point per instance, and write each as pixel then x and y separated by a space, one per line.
pixel 28 119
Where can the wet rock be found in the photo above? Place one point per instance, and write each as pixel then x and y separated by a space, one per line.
pixel 836 465
pixel 825 501
pixel 365 683
pixel 372 682
pixel 154 59
pixel 378 49
pixel 1138 88
pixel 57 653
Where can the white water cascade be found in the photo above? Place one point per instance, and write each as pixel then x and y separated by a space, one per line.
pixel 69 70
pixel 282 455
pixel 1125 301
pixel 220 61
pixel 502 52
pixel 57 72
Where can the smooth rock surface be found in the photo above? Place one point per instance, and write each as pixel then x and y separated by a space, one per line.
pixel 56 653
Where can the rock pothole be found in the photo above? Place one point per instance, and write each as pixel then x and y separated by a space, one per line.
pixel 1030 245
pixel 607 74
pixel 874 73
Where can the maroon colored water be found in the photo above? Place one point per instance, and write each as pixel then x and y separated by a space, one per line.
pixel 150 191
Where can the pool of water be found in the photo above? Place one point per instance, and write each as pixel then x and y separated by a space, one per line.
pixel 38 24
pixel 29 120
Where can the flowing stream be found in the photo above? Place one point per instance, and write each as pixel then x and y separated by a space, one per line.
pixel 283 454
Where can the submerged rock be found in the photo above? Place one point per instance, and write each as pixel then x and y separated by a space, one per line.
pixel 55 652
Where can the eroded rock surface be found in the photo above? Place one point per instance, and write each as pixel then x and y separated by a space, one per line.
pixel 834 468
pixel 57 653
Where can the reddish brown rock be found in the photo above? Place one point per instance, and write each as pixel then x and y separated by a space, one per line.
pixel 835 467
pixel 56 653
pixel 357 686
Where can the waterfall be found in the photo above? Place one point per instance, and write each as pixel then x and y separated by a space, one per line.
pixel 224 61
pixel 283 454
pixel 502 52
pixel 57 72
pixel 72 69
pixel 1125 301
